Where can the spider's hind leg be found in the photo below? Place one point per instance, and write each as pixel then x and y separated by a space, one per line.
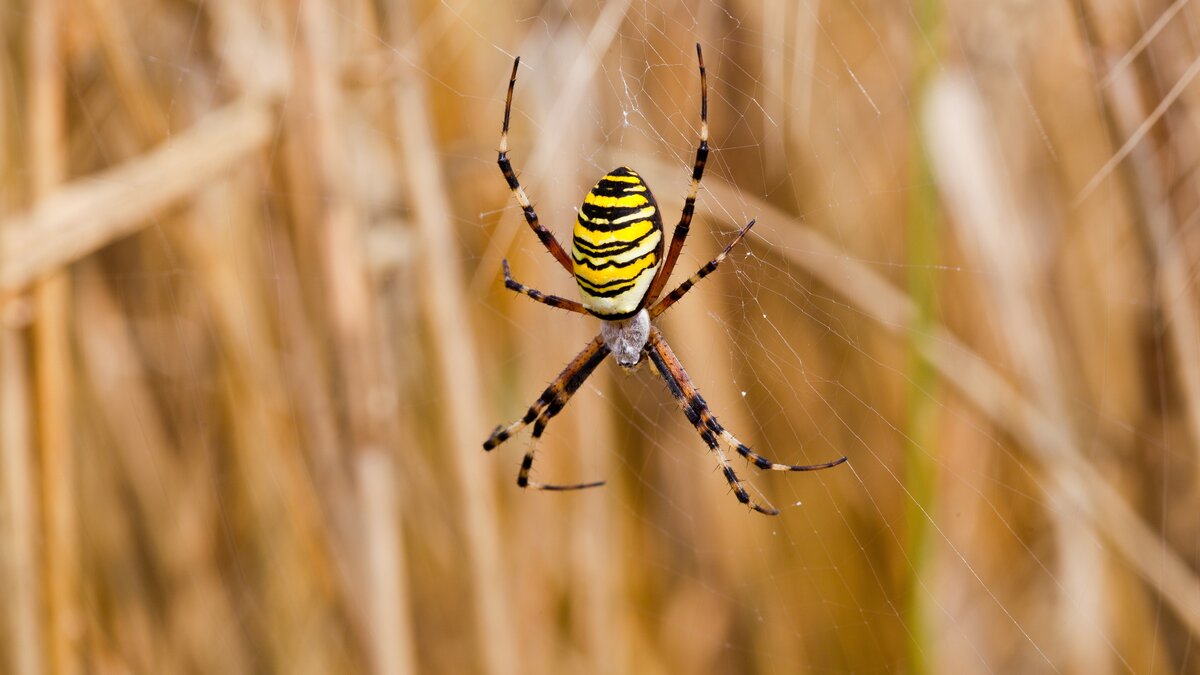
pixel 527 463
pixel 552 400
pixel 766 464
pixel 697 412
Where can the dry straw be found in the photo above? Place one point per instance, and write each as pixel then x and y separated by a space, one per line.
pixel 251 339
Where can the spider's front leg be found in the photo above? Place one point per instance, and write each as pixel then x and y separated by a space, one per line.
pixel 710 267
pixel 689 204
pixel 552 400
pixel 514 185
pixel 697 412
pixel 534 294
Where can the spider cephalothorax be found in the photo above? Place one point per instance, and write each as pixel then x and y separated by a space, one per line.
pixel 617 261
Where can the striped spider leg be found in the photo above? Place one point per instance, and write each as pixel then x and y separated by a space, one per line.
pixel 510 177
pixel 693 404
pixel 552 400
pixel 697 412
pixel 689 204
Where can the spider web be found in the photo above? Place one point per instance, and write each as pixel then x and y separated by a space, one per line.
pixel 942 545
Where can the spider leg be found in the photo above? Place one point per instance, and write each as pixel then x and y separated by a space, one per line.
pixel 552 400
pixel 762 462
pixel 578 369
pixel 510 176
pixel 538 427
pixel 689 204
pixel 672 297
pixel 533 293
pixel 697 412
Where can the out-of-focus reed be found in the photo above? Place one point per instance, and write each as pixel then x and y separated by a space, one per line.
pixel 251 339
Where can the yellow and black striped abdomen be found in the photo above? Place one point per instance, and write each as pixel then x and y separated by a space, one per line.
pixel 618 245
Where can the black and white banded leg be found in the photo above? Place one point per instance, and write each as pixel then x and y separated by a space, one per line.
pixel 697 412
pixel 534 294
pixel 510 176
pixel 710 267
pixel 679 236
pixel 552 400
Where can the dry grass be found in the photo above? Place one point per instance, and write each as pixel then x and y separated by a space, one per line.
pixel 252 337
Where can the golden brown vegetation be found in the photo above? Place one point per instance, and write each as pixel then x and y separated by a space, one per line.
pixel 252 337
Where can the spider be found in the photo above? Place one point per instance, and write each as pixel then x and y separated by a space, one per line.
pixel 616 253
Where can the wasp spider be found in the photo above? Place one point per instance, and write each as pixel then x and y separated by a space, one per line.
pixel 617 261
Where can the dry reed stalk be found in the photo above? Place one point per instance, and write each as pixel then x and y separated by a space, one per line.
pixel 52 351
pixel 133 93
pixel 341 221
pixel 456 366
pixel 89 213
pixel 55 422
pixel 774 71
pixel 804 36
pixel 22 568
pixel 330 237
pixel 1104 509
pixel 309 390
pixel 339 238
pixel 171 495
pixel 388 604
pixel 1127 123
pixel 552 136
pixel 418 492
pixel 310 572
pixel 245 36
pixel 994 227
pixel 600 580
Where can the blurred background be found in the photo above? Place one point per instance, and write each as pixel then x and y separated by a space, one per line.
pixel 253 333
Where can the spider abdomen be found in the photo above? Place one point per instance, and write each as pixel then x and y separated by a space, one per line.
pixel 617 245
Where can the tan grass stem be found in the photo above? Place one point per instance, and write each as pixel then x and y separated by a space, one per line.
pixel 388 603
pixel 1143 173
pixel 133 92
pixel 22 571
pixel 456 367
pixel 53 366
pixel 995 229
pixel 169 494
pixel 88 213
